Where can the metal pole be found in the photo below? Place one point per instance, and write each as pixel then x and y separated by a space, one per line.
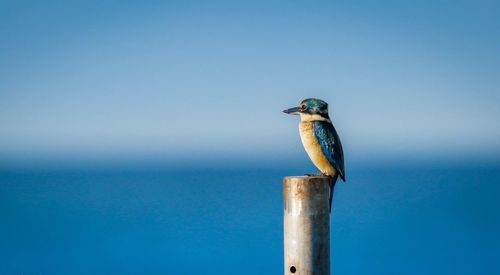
pixel 307 225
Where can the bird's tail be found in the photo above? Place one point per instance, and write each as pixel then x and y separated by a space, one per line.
pixel 333 180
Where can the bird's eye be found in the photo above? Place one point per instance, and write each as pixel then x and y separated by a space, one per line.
pixel 302 107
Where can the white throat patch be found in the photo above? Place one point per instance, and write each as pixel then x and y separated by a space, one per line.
pixel 314 117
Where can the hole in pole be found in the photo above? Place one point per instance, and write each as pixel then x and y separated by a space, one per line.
pixel 293 269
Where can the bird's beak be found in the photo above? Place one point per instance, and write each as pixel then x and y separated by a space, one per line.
pixel 292 111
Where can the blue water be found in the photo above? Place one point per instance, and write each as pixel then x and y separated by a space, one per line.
pixel 391 220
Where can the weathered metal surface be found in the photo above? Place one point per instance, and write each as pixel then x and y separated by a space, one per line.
pixel 307 225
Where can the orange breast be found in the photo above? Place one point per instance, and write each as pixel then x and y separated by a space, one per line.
pixel 313 148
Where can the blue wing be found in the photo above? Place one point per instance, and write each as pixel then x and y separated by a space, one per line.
pixel 330 145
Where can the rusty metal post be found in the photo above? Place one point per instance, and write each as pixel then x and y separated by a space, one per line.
pixel 307 225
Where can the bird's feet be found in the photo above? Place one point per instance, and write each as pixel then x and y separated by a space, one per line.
pixel 316 175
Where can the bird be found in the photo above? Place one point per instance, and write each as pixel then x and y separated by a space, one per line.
pixel 320 139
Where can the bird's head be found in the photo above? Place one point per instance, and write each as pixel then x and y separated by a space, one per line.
pixel 310 109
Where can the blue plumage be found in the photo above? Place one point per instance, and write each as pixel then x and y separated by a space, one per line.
pixel 330 145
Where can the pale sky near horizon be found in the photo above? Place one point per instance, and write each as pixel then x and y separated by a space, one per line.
pixel 125 78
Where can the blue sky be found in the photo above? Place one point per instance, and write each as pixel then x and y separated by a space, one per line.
pixel 191 79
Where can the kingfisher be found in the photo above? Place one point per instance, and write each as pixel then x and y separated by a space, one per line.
pixel 320 139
